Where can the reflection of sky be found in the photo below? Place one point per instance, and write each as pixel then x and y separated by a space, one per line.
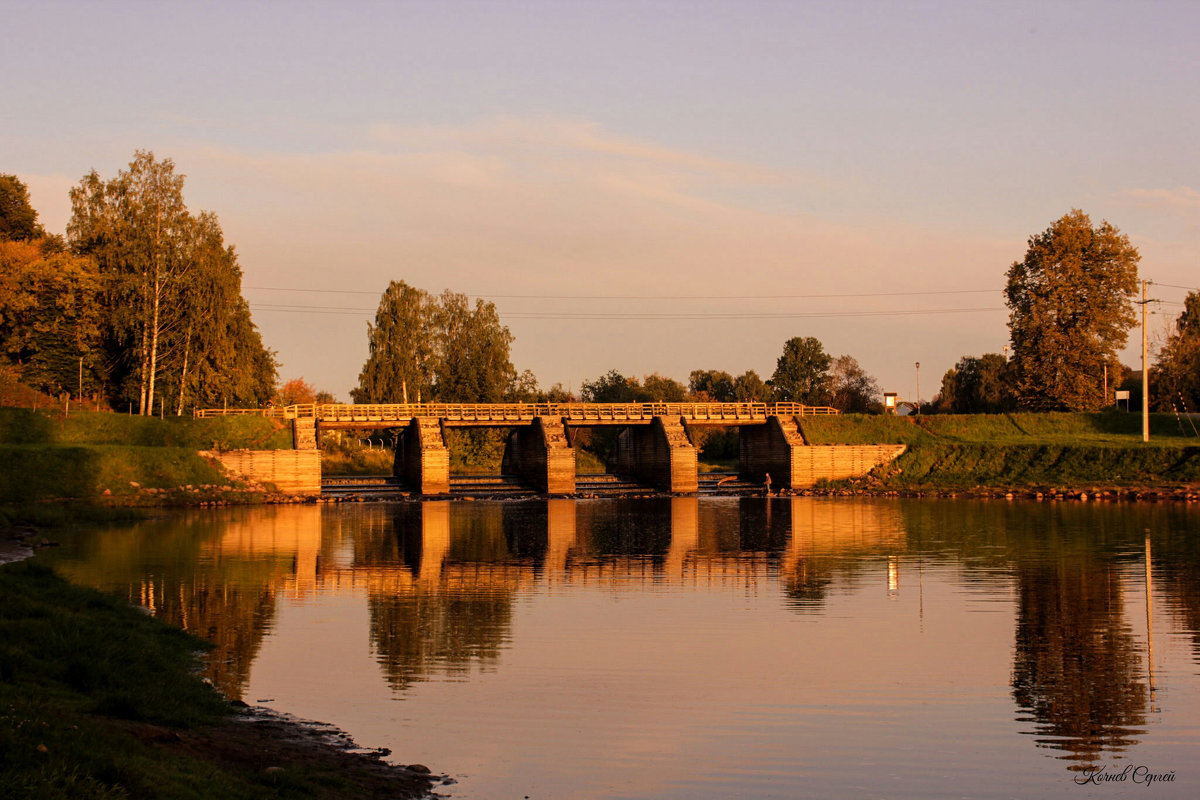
pixel 677 688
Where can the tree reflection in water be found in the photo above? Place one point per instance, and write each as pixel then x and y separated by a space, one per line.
pixel 440 624
pixel 1077 669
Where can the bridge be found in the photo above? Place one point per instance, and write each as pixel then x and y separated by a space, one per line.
pixel 475 415
pixel 655 445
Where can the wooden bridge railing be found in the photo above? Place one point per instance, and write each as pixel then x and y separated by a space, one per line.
pixel 524 412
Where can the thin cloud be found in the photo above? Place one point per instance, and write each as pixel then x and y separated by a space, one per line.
pixel 555 137
pixel 1181 200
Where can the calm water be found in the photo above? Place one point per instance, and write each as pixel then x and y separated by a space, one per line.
pixel 711 648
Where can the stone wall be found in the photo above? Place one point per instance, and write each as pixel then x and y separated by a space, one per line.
pixel 832 462
pixel 290 471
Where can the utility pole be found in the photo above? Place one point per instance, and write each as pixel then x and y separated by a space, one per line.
pixel 1145 371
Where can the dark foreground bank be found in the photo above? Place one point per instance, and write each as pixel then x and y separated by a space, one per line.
pixel 99 700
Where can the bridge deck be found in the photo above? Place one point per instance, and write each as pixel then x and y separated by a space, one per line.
pixel 334 415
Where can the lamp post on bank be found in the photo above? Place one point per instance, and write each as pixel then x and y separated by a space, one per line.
pixel 918 387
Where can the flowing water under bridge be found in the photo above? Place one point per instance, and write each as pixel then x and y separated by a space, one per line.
pixel 655 444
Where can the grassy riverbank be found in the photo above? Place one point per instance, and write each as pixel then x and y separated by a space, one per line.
pixel 954 452
pixel 88 455
pixel 99 700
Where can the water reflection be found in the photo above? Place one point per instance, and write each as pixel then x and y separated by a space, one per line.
pixel 1077 669
pixel 443 581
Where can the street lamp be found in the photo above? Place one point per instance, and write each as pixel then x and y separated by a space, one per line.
pixel 918 387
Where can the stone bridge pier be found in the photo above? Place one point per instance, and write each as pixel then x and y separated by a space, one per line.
pixel 422 458
pixel 771 449
pixel 660 454
pixel 541 455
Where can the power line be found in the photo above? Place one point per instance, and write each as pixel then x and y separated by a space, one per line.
pixel 649 315
pixel 1174 286
pixel 650 297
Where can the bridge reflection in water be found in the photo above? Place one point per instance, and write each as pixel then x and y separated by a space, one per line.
pixel 442 581
pixel 446 546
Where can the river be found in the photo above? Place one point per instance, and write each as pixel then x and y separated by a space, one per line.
pixel 703 648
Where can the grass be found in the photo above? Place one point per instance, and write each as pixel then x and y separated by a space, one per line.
pixel 99 700
pixel 37 472
pixel 1114 428
pixel 357 461
pixel 47 455
pixel 862 429
pixel 23 426
pixel 971 465
pixel 73 661
pixel 997 450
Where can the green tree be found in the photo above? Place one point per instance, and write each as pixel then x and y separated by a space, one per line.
pixel 1070 309
pixel 802 372
pixel 215 353
pixel 18 220
pixel 50 318
pixel 137 228
pixel 659 389
pixel 1177 379
pixel 749 388
pixel 710 385
pixel 424 348
pixel 851 389
pixel 472 363
pixel 401 348
pixel 177 328
pixel 977 385
pixel 613 387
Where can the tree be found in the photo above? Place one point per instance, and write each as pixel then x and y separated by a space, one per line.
pixel 176 325
pixel 1070 309
pixel 297 391
pixel 424 348
pixel 1177 385
pixel 851 389
pixel 710 385
pixel 472 363
pixel 215 353
pixel 659 389
pixel 613 387
pixel 978 385
pixel 801 373
pixel 137 228
pixel 18 220
pixel 50 318
pixel 401 348
pixel 749 388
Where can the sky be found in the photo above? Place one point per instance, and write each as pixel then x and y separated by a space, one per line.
pixel 640 186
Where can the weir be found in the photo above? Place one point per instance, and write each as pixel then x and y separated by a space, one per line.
pixel 655 446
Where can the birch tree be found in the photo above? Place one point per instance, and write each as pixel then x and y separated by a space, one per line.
pixel 136 226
